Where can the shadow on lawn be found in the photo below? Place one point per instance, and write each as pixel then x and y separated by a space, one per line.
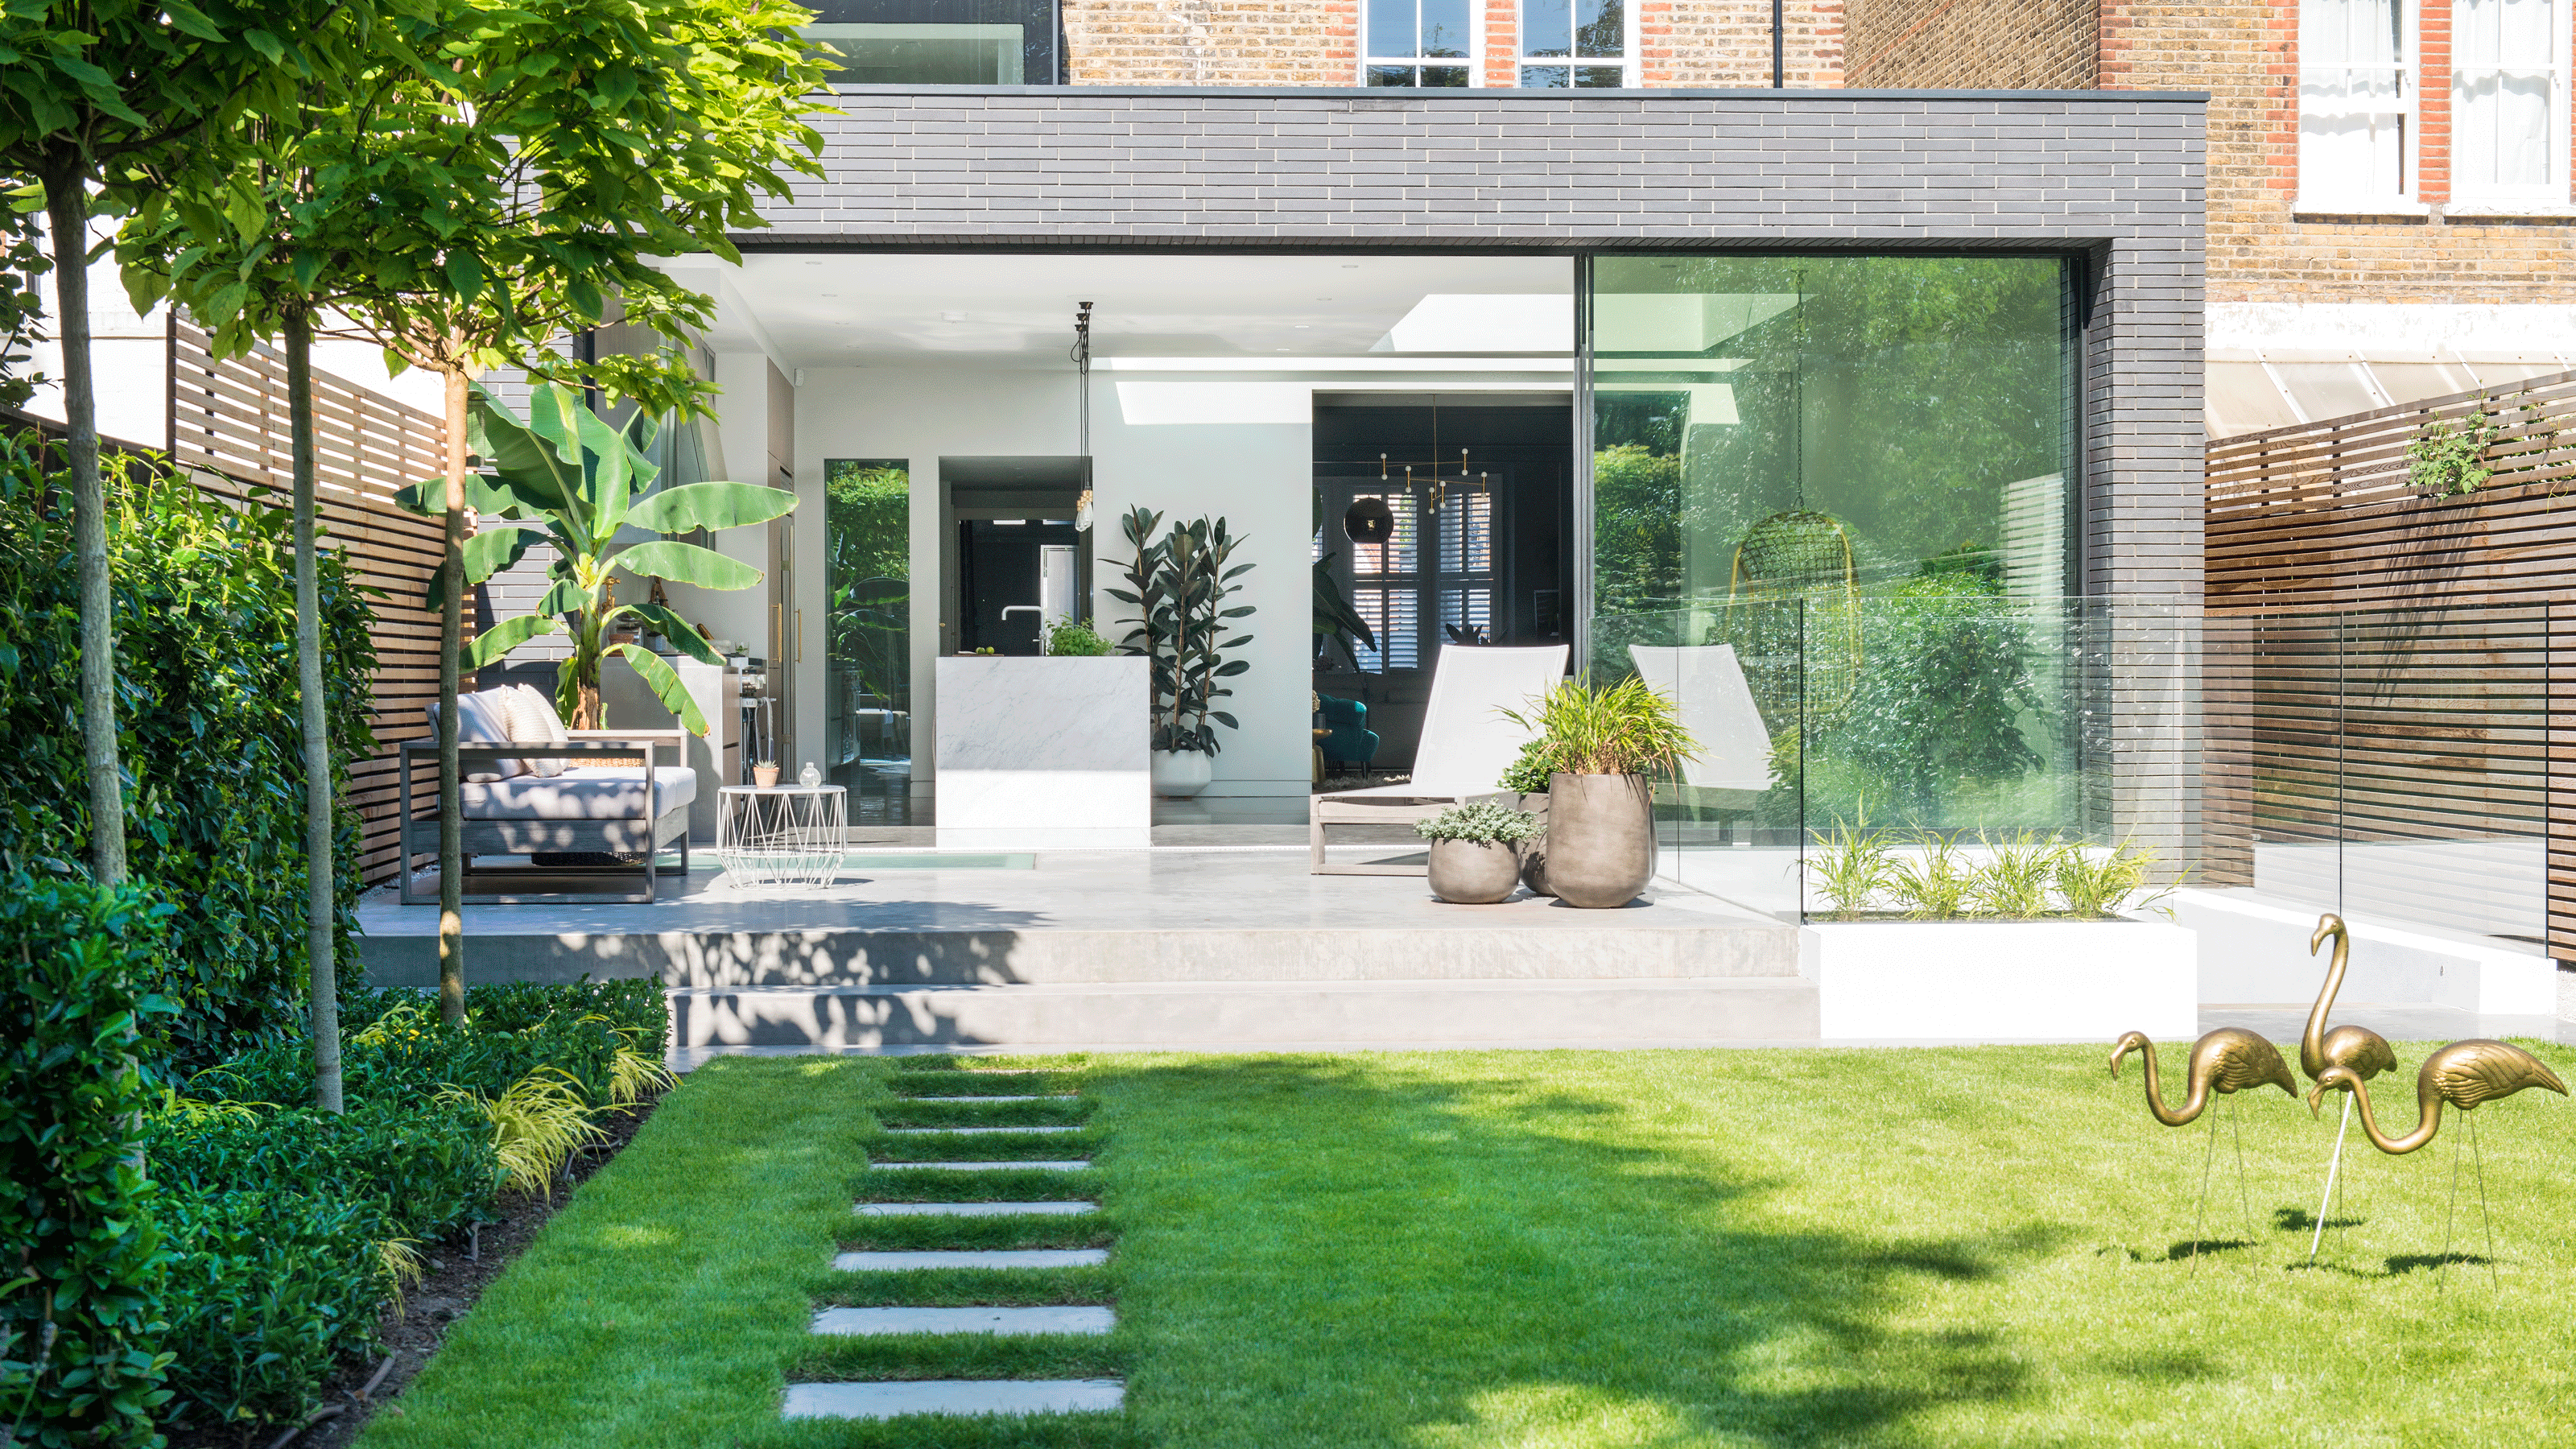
pixel 1431 1259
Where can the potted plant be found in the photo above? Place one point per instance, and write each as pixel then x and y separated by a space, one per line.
pixel 1070 638
pixel 1474 861
pixel 1528 779
pixel 1179 585
pixel 1601 745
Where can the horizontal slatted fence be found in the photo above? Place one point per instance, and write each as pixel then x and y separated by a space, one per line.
pixel 230 427
pixel 2386 668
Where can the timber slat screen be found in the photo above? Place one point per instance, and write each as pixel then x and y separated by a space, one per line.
pixel 229 426
pixel 2390 674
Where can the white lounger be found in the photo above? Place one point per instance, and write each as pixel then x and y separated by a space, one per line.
pixel 1707 684
pixel 1466 746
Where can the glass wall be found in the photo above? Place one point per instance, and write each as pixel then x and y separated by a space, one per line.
pixel 1833 503
pixel 867 541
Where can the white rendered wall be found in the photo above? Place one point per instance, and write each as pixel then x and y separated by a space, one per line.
pixel 1182 448
pixel 919 414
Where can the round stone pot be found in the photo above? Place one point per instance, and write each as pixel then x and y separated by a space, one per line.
pixel 1534 849
pixel 1473 872
pixel 1179 774
pixel 1600 838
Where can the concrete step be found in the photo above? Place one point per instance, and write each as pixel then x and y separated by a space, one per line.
pixel 1561 944
pixel 904 1262
pixel 1076 1165
pixel 954 1396
pixel 1002 1322
pixel 972 1209
pixel 1222 1015
pixel 969 1131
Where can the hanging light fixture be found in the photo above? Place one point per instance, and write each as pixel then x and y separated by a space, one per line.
pixel 1368 520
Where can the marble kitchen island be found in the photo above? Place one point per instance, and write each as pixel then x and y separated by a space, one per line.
pixel 1046 753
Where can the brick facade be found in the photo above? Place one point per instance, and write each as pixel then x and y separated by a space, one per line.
pixel 1212 42
pixel 2022 45
pixel 2244 53
pixel 1680 43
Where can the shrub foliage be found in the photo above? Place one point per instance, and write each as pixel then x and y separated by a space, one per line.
pixel 211 734
pixel 80 1255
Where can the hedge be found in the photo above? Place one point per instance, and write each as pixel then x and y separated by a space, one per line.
pixel 80 1256
pixel 210 729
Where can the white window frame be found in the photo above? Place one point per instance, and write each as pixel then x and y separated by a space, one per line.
pixel 2320 196
pixel 2550 193
pixel 1627 62
pixel 1474 63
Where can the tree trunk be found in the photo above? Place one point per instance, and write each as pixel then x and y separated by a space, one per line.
pixel 451 801
pixel 67 210
pixel 319 902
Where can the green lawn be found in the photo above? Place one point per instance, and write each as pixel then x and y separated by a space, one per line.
pixel 1563 1250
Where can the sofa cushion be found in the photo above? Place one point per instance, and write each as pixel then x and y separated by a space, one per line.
pixel 533 721
pixel 479 719
pixel 584 792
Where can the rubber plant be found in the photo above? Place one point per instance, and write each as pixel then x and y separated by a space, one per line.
pixel 566 477
pixel 1179 585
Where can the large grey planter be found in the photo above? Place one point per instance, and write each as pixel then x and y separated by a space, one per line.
pixel 1534 849
pixel 1473 872
pixel 1600 838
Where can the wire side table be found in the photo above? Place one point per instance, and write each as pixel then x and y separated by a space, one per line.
pixel 781 835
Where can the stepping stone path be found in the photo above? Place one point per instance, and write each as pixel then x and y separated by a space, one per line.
pixel 1073 1165
pixel 953 1396
pixel 890 1399
pixel 971 1258
pixel 967 1131
pixel 1009 1322
pixel 973 1209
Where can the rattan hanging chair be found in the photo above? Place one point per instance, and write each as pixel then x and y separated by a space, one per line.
pixel 1794 616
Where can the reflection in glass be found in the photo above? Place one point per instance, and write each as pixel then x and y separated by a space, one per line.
pixel 937 42
pixel 867 540
pixel 1852 474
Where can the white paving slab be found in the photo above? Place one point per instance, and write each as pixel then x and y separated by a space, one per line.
pixel 971 1258
pixel 1071 1165
pixel 916 1131
pixel 972 1209
pixel 1004 1322
pixel 954 1396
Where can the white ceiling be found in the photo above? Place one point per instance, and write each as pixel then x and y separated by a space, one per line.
pixel 1009 310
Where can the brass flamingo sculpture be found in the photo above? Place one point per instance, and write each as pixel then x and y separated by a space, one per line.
pixel 2465 1074
pixel 2227 1061
pixel 2357 1048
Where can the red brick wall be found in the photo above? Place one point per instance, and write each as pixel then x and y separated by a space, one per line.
pixel 2245 53
pixel 1688 43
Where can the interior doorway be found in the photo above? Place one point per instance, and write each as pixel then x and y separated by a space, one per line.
pixel 1474 498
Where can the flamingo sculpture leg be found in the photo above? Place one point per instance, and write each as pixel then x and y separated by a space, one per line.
pixel 2363 1052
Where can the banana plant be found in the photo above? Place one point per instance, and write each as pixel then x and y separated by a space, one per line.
pixel 568 478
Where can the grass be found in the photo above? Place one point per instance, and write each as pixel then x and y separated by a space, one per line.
pixel 1563 1251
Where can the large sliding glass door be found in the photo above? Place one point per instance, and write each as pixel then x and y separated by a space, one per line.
pixel 1833 504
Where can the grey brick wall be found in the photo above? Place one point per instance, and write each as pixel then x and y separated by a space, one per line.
pixel 2116 176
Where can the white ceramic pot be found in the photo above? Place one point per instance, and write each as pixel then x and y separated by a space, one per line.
pixel 1179 774
pixel 1474 872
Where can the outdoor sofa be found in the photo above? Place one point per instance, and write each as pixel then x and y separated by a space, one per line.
pixel 533 794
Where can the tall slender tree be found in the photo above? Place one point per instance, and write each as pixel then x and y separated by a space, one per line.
pixel 92 92
pixel 470 214
pixel 254 254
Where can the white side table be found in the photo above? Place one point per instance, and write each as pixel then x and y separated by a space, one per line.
pixel 781 835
